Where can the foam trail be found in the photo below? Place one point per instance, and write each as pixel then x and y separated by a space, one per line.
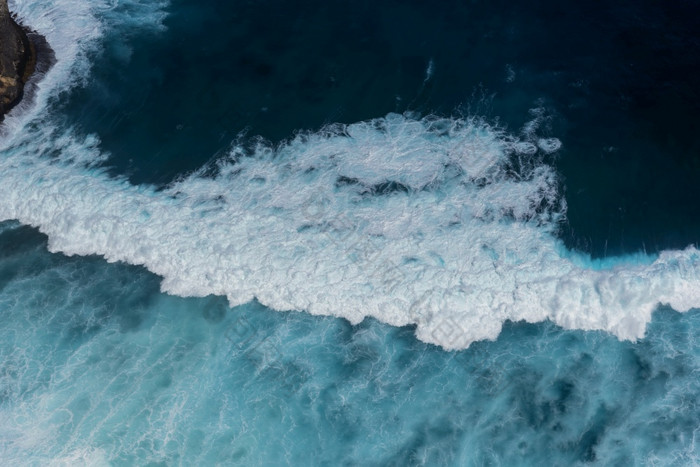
pixel 447 224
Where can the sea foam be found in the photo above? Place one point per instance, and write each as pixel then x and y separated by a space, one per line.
pixel 448 224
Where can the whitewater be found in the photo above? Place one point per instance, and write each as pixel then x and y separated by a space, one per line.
pixel 448 224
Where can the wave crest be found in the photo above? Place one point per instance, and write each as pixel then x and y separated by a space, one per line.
pixel 445 224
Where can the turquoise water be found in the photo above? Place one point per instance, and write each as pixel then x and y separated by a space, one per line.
pixel 334 234
pixel 100 367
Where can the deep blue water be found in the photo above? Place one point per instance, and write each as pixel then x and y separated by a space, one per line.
pixel 99 365
pixel 618 80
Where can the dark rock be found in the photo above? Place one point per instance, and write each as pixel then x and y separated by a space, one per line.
pixel 17 60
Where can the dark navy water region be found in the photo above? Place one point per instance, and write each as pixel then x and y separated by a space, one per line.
pixel 97 363
pixel 617 80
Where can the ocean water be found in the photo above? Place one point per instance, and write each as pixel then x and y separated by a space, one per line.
pixel 262 233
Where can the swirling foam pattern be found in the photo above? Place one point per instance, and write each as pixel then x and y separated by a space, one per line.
pixel 98 368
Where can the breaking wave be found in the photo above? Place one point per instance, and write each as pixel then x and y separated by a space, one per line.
pixel 448 224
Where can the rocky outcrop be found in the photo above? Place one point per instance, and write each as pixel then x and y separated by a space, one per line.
pixel 17 60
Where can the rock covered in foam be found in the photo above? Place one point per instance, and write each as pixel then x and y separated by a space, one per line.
pixel 16 60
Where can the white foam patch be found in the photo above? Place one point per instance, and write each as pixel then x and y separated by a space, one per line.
pixel 549 145
pixel 447 224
